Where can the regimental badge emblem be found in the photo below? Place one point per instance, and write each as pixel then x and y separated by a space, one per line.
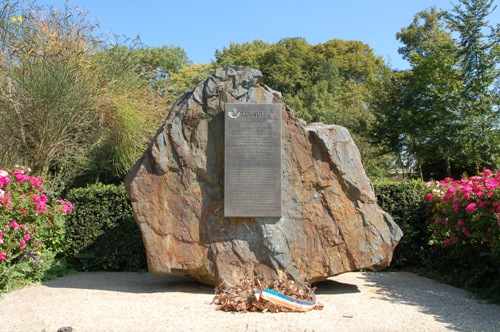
pixel 234 113
pixel 272 115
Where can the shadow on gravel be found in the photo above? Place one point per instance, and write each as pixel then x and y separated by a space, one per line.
pixel 447 304
pixel 130 282
pixel 331 287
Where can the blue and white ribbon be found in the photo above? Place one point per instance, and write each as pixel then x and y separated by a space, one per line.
pixel 285 301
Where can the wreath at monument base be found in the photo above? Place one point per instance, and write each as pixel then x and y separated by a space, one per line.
pixel 282 295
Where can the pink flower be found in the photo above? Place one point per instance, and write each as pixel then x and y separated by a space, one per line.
pixel 451 240
pixel 22 244
pixel 465 231
pixel 429 197
pixel 3 256
pixel 24 227
pixel 4 178
pixel 1 235
pixel 491 184
pixel 37 183
pixel 6 198
pixel 35 244
pixel 470 208
pixel 487 172
pixel 41 201
pixel 451 191
pixel 460 222
pixel 27 237
pixel 437 221
pixel 14 225
pixel 67 206
pixel 20 176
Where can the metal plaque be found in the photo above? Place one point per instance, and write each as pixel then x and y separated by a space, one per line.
pixel 252 164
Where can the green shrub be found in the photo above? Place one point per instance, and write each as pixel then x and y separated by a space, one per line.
pixel 102 234
pixel 467 212
pixel 450 254
pixel 405 202
pixel 31 228
pixel 465 231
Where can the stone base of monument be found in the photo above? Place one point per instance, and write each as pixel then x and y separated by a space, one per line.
pixel 329 222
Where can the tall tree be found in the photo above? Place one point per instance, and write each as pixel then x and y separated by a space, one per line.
pixel 246 54
pixel 477 57
pixel 157 64
pixel 330 82
pixel 285 65
pixel 449 96
pixel 392 111
pixel 432 132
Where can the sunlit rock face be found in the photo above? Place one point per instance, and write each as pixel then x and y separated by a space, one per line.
pixel 330 221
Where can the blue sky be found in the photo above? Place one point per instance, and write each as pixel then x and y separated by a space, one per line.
pixel 201 27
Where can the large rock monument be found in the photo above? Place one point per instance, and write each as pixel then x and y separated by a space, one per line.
pixel 209 206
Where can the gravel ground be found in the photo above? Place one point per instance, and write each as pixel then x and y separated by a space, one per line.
pixel 361 301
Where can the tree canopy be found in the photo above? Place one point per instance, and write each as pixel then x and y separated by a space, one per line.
pixel 330 82
pixel 74 103
pixel 445 109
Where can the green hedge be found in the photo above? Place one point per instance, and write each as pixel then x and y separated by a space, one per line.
pixel 101 234
pixel 405 202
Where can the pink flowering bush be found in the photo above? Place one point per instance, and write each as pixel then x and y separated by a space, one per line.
pixel 31 227
pixel 467 214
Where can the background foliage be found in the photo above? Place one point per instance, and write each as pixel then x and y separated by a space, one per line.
pixel 102 234
pixel 79 108
pixel 331 82
pixel 444 111
pixel 439 118
pixel 406 203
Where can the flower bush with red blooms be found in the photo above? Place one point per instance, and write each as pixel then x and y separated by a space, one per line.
pixel 467 212
pixel 31 228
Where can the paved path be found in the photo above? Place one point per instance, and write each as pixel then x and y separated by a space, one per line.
pixel 383 301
